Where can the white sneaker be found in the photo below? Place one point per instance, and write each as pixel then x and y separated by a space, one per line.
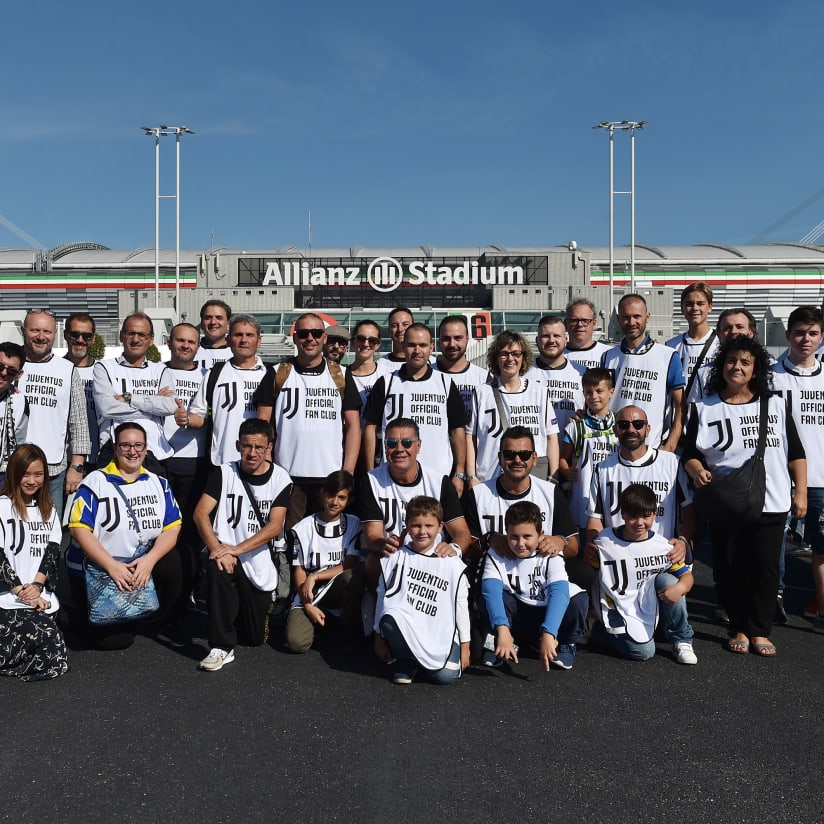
pixel 216 659
pixel 684 653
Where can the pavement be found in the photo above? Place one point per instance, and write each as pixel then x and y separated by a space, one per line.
pixel 142 736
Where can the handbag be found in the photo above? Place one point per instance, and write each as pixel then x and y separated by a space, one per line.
pixel 737 498
pixel 107 603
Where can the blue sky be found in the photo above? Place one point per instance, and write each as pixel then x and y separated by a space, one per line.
pixel 446 123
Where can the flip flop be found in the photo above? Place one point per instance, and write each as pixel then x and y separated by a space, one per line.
pixel 739 647
pixel 765 649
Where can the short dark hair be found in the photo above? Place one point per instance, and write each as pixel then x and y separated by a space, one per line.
pixel 403 423
pixel 366 322
pixel 82 317
pixel 397 309
pixel 738 310
pixel 551 320
pixel 183 323
pixel 524 512
pixel 595 374
pixel 418 327
pixel 126 425
pixel 139 316
pixel 338 481
pixel 423 505
pixel 256 426
pixel 515 433
pixel 453 319
pixel 805 315
pixel 637 500
pixel 632 296
pixel 13 350
pixel 221 304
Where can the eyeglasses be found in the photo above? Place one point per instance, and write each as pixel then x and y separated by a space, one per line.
pixel 303 334
pixel 336 342
pixel 41 312
pixel 249 447
pixel 131 333
pixel 579 321
pixel 511 454
pixel 515 355
pixel 86 336
pixel 131 447
pixel 363 340
pixel 11 371
pixel 636 424
pixel 406 443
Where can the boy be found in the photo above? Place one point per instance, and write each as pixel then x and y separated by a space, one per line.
pixel 422 615
pixel 326 565
pixel 799 378
pixel 587 441
pixel 528 595
pixel 636 578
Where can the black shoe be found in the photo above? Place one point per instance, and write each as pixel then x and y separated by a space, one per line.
pixel 721 615
pixel 780 612
pixel 173 635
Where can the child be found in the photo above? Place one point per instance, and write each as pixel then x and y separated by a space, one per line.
pixel 587 441
pixel 529 595
pixel 422 615
pixel 636 580
pixel 31 646
pixel 325 565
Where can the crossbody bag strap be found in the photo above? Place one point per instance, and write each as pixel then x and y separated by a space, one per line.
pixel 702 355
pixel 135 523
pixel 499 402
pixel 762 426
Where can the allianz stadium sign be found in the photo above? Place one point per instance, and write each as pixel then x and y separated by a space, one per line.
pixel 385 274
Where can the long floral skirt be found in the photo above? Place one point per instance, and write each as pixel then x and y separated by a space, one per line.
pixel 31 645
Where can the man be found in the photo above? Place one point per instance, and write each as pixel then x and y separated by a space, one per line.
pixel 79 335
pixel 453 338
pixel 385 491
pixel 188 467
pixel 634 462
pixel 429 398
pixel 337 343
pixel 239 516
pixel 397 322
pixel 580 322
pixel 799 378
pixel 315 410
pixel 214 321
pixel 647 374
pixel 132 388
pixel 561 376
pixel 57 406
pixel 14 407
pixel 486 504
pixel 699 343
pixel 226 396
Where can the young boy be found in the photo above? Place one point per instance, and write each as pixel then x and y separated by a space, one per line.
pixel 587 441
pixel 529 596
pixel 325 550
pixel 636 580
pixel 422 615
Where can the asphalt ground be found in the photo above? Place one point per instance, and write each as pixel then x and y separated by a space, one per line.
pixel 142 736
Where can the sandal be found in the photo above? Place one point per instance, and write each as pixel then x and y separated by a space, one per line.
pixel 740 646
pixel 765 649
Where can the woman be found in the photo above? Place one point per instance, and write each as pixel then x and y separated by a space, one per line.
pixel 722 435
pixel 119 510
pixel 510 399
pixel 365 370
pixel 31 645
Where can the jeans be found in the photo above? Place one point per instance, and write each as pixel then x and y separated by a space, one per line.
pixel 57 488
pixel 673 620
pixel 405 662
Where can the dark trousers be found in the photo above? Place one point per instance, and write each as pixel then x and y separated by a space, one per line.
pixel 745 560
pixel 525 620
pixel 168 582
pixel 238 611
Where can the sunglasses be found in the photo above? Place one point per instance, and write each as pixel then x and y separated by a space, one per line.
pixel 337 342
pixel 9 371
pixel 362 339
pixel 406 443
pixel 511 454
pixel 41 312
pixel 506 355
pixel 86 336
pixel 303 334
pixel 636 424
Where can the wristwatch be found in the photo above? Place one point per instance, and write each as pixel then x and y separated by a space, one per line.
pixel 127 398
pixel 78 468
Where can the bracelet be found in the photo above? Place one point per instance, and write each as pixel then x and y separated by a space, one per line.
pixel 39 585
pixel 186 425
pixel 460 476
pixel 687 541
pixel 457 548
pixel 78 468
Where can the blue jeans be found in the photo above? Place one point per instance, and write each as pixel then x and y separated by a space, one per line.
pixel 57 488
pixel 814 520
pixel 405 662
pixel 673 620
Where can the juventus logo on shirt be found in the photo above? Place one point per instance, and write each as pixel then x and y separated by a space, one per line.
pixel 614 489
pixel 291 401
pixel 495 428
pixel 395 408
pixel 235 509
pixel 111 517
pixel 230 396
pixel 722 444
pixel 17 540
pixel 391 513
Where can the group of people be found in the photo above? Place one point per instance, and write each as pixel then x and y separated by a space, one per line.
pixel 454 511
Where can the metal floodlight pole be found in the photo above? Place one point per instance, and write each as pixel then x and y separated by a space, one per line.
pixel 179 130
pixel 625 126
